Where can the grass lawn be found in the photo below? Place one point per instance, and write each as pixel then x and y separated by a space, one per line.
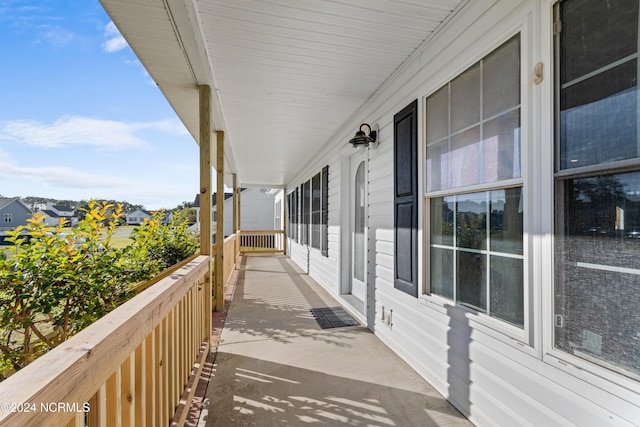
pixel 121 236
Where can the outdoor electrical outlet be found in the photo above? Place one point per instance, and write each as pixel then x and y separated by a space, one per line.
pixel 386 316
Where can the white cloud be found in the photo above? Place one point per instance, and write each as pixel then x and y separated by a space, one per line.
pixel 169 125
pixel 57 177
pixel 107 135
pixel 164 190
pixel 58 37
pixel 115 42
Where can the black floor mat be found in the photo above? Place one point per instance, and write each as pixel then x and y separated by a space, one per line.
pixel 333 317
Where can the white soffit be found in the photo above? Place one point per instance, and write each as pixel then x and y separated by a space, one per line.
pixel 288 73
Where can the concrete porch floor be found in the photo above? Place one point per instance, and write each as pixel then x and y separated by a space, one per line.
pixel 275 366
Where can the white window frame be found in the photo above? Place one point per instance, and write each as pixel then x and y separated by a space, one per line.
pixel 8 218
pixel 524 339
pixel 605 379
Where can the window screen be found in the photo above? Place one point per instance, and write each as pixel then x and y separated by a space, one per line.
pixel 597 252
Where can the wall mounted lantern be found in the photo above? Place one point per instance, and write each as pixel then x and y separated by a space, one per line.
pixel 365 136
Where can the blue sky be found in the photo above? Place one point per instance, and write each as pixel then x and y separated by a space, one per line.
pixel 80 118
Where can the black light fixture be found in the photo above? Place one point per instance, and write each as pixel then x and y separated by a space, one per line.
pixel 365 136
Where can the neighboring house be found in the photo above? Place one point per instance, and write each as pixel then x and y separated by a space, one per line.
pixel 256 210
pixel 137 217
pixel 13 213
pixel 53 214
pixel 490 238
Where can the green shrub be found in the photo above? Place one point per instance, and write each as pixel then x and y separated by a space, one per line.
pixel 156 246
pixel 53 284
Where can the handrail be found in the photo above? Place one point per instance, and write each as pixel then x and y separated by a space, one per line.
pixel 131 367
pixel 141 286
pixel 137 288
pixel 261 241
pixel 230 257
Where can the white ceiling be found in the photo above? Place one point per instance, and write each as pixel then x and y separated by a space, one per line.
pixel 286 74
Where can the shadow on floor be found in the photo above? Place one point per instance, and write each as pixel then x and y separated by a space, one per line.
pixel 275 366
pixel 253 392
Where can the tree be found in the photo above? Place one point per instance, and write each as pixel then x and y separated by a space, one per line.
pixel 184 205
pixel 187 214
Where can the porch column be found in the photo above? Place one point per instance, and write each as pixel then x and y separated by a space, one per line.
pixel 205 196
pixel 235 200
pixel 219 266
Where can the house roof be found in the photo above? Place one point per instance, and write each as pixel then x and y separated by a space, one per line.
pixel 196 202
pixel 139 210
pixel 287 78
pixel 50 213
pixel 62 208
pixel 6 201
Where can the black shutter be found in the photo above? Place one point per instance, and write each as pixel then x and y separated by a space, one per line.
pixel 289 216
pixel 405 184
pixel 325 211
pixel 296 216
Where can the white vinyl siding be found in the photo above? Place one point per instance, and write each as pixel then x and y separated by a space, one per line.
pixel 494 372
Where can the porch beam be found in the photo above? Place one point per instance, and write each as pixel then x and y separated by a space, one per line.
pixel 219 258
pixel 206 199
pixel 205 170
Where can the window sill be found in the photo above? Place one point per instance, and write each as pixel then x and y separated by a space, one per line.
pixel 493 328
pixel 599 376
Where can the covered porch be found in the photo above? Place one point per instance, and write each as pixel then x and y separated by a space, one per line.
pixel 288 354
pixel 276 365
pixel 264 88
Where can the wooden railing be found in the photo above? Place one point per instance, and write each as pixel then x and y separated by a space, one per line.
pixel 230 257
pixel 261 241
pixel 136 366
pixel 53 336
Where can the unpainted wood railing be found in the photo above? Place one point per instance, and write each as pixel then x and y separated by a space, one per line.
pixel 136 366
pixel 261 241
pixel 53 336
pixel 229 258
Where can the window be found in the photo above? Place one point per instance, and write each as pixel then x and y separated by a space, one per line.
pixel 314 209
pixel 305 211
pixel 597 184
pixel 8 218
pixel 291 216
pixel 473 140
pixel 295 215
pixel 477 253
